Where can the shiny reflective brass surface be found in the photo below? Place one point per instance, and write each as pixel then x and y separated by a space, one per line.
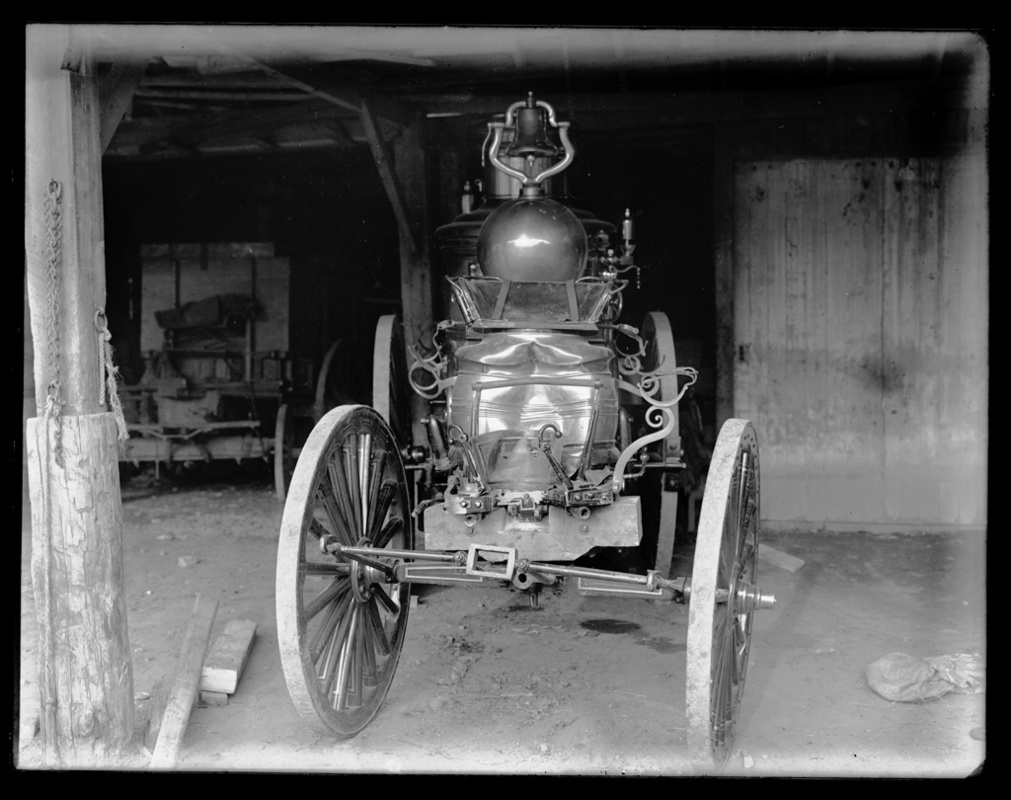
pixel 532 240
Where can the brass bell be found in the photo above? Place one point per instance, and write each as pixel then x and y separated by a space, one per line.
pixel 531 133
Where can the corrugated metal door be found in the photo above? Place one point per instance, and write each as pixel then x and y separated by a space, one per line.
pixel 861 319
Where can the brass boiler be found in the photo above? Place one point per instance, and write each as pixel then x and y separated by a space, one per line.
pixel 512 384
pixel 532 415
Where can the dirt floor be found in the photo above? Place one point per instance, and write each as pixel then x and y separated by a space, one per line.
pixel 579 685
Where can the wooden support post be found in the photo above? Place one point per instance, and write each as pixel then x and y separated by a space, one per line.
pixel 403 175
pixel 85 668
pixel 723 193
pixel 85 671
pixel 415 266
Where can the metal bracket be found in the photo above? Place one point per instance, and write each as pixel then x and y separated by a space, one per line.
pixel 438 574
pixel 602 586
pixel 510 567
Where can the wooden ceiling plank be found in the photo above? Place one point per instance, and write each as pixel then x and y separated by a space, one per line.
pixel 200 94
pixel 348 95
pixel 259 122
pixel 719 106
pixel 340 102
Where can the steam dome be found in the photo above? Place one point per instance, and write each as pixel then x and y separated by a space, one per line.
pixel 532 239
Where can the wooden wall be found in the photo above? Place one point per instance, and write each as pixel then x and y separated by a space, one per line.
pixel 861 322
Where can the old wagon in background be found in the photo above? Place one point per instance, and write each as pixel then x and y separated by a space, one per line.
pixel 220 380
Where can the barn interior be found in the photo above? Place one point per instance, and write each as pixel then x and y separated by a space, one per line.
pixel 810 212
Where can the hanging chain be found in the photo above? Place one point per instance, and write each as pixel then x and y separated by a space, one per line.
pixel 108 376
pixel 54 256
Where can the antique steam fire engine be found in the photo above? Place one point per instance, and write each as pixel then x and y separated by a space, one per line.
pixel 542 411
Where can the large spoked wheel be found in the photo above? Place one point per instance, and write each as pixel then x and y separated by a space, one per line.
pixel 391 395
pixel 662 513
pixel 723 596
pixel 340 622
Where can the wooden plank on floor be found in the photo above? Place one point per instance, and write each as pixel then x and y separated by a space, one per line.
pixel 213 698
pixel 224 664
pixel 184 684
pixel 780 559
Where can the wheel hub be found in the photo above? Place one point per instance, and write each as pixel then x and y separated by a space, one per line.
pixel 364 576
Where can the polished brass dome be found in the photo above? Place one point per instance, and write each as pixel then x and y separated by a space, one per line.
pixel 532 239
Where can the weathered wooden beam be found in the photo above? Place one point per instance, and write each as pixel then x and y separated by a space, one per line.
pixel 383 156
pixel 679 107
pixel 343 94
pixel 85 670
pixel 403 177
pixel 186 678
pixel 723 215
pixel 116 92
pixel 416 265
pixel 62 144
pixel 218 94
pixel 194 130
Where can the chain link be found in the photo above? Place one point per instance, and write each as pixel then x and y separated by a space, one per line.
pixel 54 257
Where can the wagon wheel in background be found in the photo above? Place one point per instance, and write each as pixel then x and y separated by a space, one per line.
pixel 391 393
pixel 723 596
pixel 284 450
pixel 663 498
pixel 341 623
pixel 334 385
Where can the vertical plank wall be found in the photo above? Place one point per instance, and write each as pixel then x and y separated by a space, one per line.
pixel 861 323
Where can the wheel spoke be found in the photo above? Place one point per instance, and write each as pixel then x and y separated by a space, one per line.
pixel 381 508
pixel 322 636
pixel 317 528
pixel 742 493
pixel 357 666
pixel 340 696
pixel 748 555
pixel 369 673
pixel 725 568
pixel 376 624
pixel 393 527
pixel 334 646
pixel 353 485
pixel 364 478
pixel 326 568
pixel 380 594
pixel 720 635
pixel 741 646
pixel 333 592
pixel 377 481
pixel 721 692
pixel 333 492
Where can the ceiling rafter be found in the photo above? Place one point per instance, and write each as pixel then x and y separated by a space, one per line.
pixel 116 91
